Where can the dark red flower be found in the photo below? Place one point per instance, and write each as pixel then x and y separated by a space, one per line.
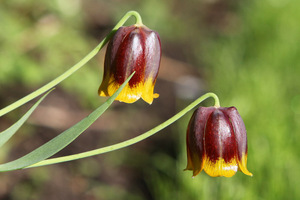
pixel 217 142
pixel 133 48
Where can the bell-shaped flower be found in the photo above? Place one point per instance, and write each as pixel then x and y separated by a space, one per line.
pixel 133 48
pixel 217 142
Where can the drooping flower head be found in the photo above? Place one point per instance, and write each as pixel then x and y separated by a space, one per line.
pixel 217 142
pixel 133 48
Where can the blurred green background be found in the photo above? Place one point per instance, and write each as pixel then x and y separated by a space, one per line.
pixel 247 52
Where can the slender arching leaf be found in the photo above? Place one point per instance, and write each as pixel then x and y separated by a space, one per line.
pixel 55 81
pixel 73 69
pixel 8 133
pixel 129 142
pixel 62 140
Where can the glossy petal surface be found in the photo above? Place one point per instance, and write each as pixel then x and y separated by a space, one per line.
pixel 217 142
pixel 195 135
pixel 220 146
pixel 241 137
pixel 133 48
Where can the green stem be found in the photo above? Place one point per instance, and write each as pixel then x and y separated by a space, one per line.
pixel 137 17
pixel 126 17
pixel 130 141
pixel 73 69
pixel 216 98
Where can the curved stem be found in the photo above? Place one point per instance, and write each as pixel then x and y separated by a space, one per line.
pixel 138 19
pixel 69 72
pixel 127 142
pixel 216 98
pixel 137 16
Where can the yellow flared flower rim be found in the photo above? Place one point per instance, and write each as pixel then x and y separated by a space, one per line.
pixel 219 167
pixel 129 94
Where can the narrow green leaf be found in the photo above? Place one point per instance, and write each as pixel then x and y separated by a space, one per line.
pixel 62 140
pixel 8 133
pixel 129 142
pixel 73 69
pixel 55 81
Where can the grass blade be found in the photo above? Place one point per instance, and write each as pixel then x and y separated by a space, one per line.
pixel 129 142
pixel 55 81
pixel 62 140
pixel 72 70
pixel 8 133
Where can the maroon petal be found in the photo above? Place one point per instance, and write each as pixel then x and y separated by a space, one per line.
pixel 195 136
pixel 239 130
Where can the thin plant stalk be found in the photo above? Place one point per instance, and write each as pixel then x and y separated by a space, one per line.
pixel 73 69
pixel 130 141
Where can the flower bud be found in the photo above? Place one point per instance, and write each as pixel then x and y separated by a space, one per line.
pixel 217 142
pixel 133 48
